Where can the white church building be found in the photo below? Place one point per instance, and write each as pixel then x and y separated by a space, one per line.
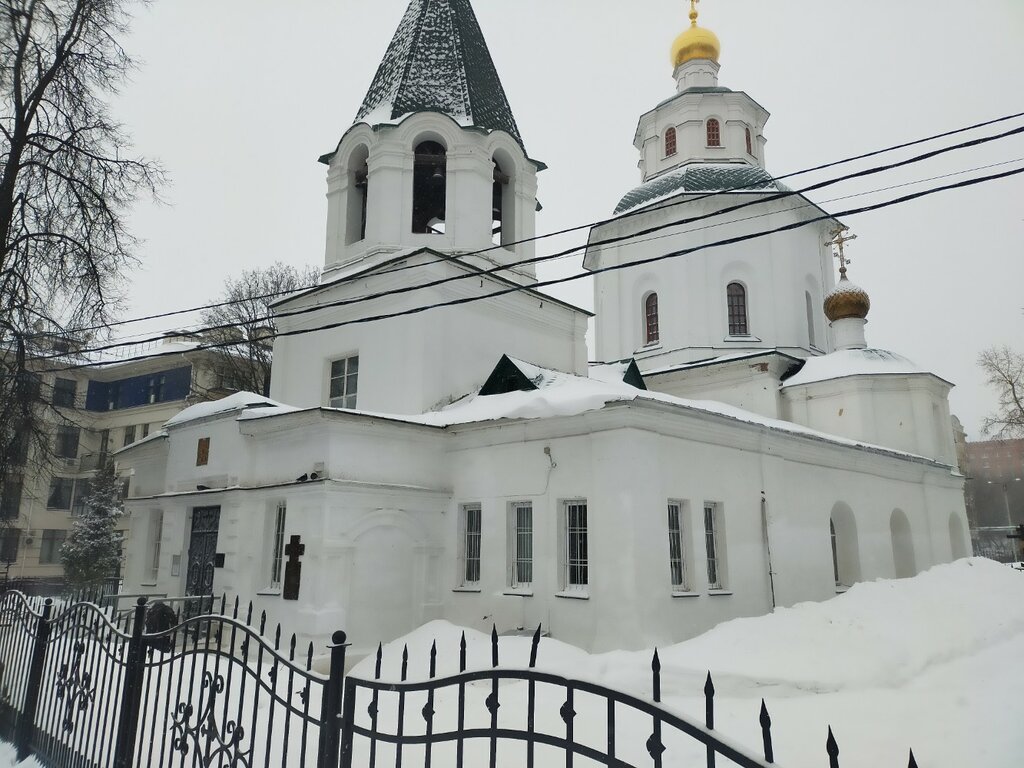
pixel 436 444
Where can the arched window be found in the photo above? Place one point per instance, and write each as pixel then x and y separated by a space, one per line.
pixel 358 190
pixel 845 548
pixel 714 133
pixel 750 144
pixel 902 545
pixel 429 180
pixel 503 202
pixel 651 334
pixel 809 302
pixel 670 142
pixel 736 296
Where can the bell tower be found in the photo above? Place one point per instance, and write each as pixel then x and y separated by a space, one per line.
pixel 435 158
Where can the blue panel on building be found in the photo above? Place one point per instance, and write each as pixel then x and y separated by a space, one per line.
pixel 159 387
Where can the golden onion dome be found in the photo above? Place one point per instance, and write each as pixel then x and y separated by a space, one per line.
pixel 695 43
pixel 846 300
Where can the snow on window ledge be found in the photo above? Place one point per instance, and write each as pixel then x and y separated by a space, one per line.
pixel 745 339
pixel 466 588
pixel 686 594
pixel 719 592
pixel 268 592
pixel 518 592
pixel 574 594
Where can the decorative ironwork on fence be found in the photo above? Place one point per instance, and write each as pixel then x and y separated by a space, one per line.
pixel 82 686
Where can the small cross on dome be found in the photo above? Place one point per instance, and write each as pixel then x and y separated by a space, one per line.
pixel 838 241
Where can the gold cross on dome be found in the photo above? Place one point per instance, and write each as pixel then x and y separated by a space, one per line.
pixel 693 11
pixel 838 241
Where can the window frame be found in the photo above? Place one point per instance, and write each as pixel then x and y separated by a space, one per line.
pixel 156 534
pixel 737 309
pixel 714 547
pixel 573 568
pixel 129 435
pixel 51 545
pixel 203 452
pixel 349 378
pixel 63 396
pixel 65 482
pixel 670 145
pixel 750 142
pixel 521 565
pixel 713 132
pixel 470 545
pixel 67 441
pixel 678 547
pixel 652 320
pixel 278 522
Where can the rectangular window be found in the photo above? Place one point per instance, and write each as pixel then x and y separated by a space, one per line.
pixel 676 552
pixel 145 430
pixel 64 392
pixel 113 396
pixel 576 575
pixel 203 452
pixel 713 545
pixel 471 524
pixel 61 490
pixel 344 382
pixel 49 548
pixel 9 541
pixel 66 444
pixel 520 529
pixel 10 498
pixel 277 547
pixel 83 488
pixel 156 388
pixel 156 533
pixel 129 435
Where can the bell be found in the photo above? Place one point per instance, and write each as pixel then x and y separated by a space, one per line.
pixel 438 176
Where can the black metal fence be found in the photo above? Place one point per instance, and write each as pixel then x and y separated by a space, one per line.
pixel 78 689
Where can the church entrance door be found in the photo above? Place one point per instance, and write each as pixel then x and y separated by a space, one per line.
pixel 202 556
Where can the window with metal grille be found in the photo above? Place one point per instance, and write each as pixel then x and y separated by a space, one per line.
pixel 49 546
pixel 676 558
pixel 835 552
pixel 156 533
pixel 714 133
pixel 521 530
pixel 750 143
pixel 736 298
pixel 277 546
pixel 344 382
pixel 711 544
pixel 670 142
pixel 651 332
pixel 470 545
pixel 64 392
pixel 577 573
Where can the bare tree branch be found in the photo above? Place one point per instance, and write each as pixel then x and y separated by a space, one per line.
pixel 1004 370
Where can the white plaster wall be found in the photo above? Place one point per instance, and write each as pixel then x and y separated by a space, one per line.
pixel 692 307
pixel 906 412
pixel 413 363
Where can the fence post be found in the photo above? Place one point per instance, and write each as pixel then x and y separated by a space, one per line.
pixel 330 712
pixel 131 695
pixel 27 722
pixel 347 721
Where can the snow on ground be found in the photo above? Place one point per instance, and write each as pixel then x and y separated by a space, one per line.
pixel 9 759
pixel 935 663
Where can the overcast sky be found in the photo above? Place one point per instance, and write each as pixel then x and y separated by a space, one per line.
pixel 238 98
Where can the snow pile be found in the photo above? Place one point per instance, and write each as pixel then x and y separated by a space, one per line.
pixel 9 758
pixel 239 401
pixel 852 362
pixel 932 663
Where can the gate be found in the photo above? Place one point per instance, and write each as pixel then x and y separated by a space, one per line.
pixel 202 559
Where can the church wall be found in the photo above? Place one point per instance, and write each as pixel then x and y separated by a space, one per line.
pixel 413 363
pixel 749 384
pixel 776 272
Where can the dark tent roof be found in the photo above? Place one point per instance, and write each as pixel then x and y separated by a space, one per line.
pixel 438 61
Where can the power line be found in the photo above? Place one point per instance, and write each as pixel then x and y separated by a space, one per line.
pixel 570 230
pixel 571 278
pixel 608 241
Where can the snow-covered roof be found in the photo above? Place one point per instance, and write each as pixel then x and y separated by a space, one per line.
pixel 240 401
pixel 720 360
pixel 739 178
pixel 438 61
pixel 852 362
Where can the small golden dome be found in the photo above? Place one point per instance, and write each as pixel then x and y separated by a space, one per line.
pixel 846 300
pixel 695 43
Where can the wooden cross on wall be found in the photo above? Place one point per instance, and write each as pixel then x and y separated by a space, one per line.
pixel 293 568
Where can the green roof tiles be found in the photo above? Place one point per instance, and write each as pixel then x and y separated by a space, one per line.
pixel 438 61
pixel 700 178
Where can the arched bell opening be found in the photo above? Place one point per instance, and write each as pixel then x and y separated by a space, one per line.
pixel 358 190
pixel 429 188
pixel 503 201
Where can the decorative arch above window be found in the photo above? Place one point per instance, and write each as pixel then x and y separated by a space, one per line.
pixel 651 325
pixel 670 142
pixel 750 143
pixel 736 299
pixel 714 133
